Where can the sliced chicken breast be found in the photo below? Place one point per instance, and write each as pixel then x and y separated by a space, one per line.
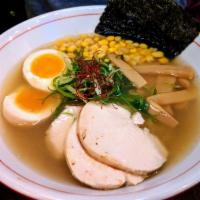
pixel 108 134
pixel 86 169
pixel 56 133
pixel 91 172
pixel 133 179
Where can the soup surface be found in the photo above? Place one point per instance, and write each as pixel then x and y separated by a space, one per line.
pixel 28 144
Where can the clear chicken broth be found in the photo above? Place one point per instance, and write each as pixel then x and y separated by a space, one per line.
pixel 28 144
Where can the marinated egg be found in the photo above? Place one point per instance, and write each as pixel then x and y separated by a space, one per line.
pixel 28 106
pixel 41 67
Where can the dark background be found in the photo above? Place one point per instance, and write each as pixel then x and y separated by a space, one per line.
pixel 13 12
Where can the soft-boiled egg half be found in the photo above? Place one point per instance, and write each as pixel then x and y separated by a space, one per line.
pixel 42 66
pixel 28 106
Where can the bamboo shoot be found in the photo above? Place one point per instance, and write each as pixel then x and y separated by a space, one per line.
pixel 174 97
pixel 173 70
pixel 161 115
pixel 128 71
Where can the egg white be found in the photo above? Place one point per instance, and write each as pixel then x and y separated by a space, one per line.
pixel 34 80
pixel 19 117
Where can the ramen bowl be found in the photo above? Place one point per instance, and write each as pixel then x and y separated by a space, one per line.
pixel 18 42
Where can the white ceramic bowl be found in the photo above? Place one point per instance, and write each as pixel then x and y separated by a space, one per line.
pixel 19 41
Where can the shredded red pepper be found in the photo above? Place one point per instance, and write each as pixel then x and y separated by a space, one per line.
pixel 89 70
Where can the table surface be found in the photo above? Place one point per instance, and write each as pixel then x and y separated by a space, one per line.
pixel 13 12
pixel 191 194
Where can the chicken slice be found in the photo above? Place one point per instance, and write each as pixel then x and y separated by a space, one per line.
pixel 108 134
pixel 133 179
pixel 56 133
pixel 91 172
pixel 86 169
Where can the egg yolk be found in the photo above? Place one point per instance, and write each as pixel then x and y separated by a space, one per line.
pixel 33 100
pixel 47 66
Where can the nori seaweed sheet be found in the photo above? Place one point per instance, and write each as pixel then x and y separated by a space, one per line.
pixel 159 23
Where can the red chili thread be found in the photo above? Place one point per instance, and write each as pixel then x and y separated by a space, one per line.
pixel 89 70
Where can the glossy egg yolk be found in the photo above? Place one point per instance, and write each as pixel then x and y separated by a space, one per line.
pixel 47 65
pixel 32 100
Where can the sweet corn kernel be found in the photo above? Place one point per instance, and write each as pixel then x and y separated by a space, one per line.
pixel 149 58
pixel 158 54
pixel 88 58
pixel 101 55
pixel 106 60
pixel 133 50
pixel 117 38
pixel 60 42
pixel 143 46
pixel 104 47
pixel 71 55
pixel 136 58
pixel 78 42
pixel 62 48
pixel 117 45
pixel 103 42
pixel 86 54
pixel 118 52
pixel 71 48
pixel 122 44
pixel 110 38
pixel 127 57
pixel 112 43
pixel 163 60
pixel 132 55
pixel 88 40
pixel 124 50
pixel 84 44
pixel 66 44
pixel 99 50
pixel 143 52
pixel 129 41
pixel 111 50
pixel 129 46
pixel 94 47
pixel 135 44
pixel 96 38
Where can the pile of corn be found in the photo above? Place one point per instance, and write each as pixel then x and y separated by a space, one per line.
pixel 99 46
